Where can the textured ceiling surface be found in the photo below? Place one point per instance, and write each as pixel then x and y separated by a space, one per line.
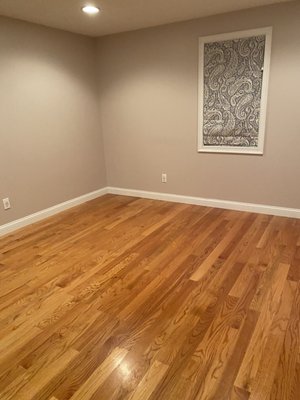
pixel 118 15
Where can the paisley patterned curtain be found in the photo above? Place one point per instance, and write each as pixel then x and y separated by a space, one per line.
pixel 233 72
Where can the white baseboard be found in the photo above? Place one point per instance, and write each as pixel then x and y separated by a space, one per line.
pixel 227 204
pixel 30 219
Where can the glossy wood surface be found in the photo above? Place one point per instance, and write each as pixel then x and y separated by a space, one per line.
pixel 126 298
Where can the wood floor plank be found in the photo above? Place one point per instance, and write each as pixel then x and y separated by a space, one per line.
pixel 124 298
pixel 42 383
pixel 253 356
pixel 149 381
pixel 90 387
pixel 286 376
pixel 211 258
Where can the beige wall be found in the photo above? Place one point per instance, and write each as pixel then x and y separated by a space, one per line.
pixel 51 148
pixel 148 86
pixel 50 139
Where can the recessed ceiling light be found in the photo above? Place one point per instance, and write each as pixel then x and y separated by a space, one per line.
pixel 90 10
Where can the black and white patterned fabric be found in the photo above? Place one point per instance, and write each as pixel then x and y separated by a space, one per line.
pixel 233 72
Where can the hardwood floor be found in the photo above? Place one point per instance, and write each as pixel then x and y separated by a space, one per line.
pixel 125 298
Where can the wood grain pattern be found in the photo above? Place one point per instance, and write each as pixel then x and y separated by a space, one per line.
pixel 124 299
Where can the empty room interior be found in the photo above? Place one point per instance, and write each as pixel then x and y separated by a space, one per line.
pixel 149 200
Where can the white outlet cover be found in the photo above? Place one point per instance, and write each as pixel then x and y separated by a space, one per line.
pixel 6 204
pixel 164 178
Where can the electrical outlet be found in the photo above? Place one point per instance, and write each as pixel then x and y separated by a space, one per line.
pixel 164 178
pixel 6 204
